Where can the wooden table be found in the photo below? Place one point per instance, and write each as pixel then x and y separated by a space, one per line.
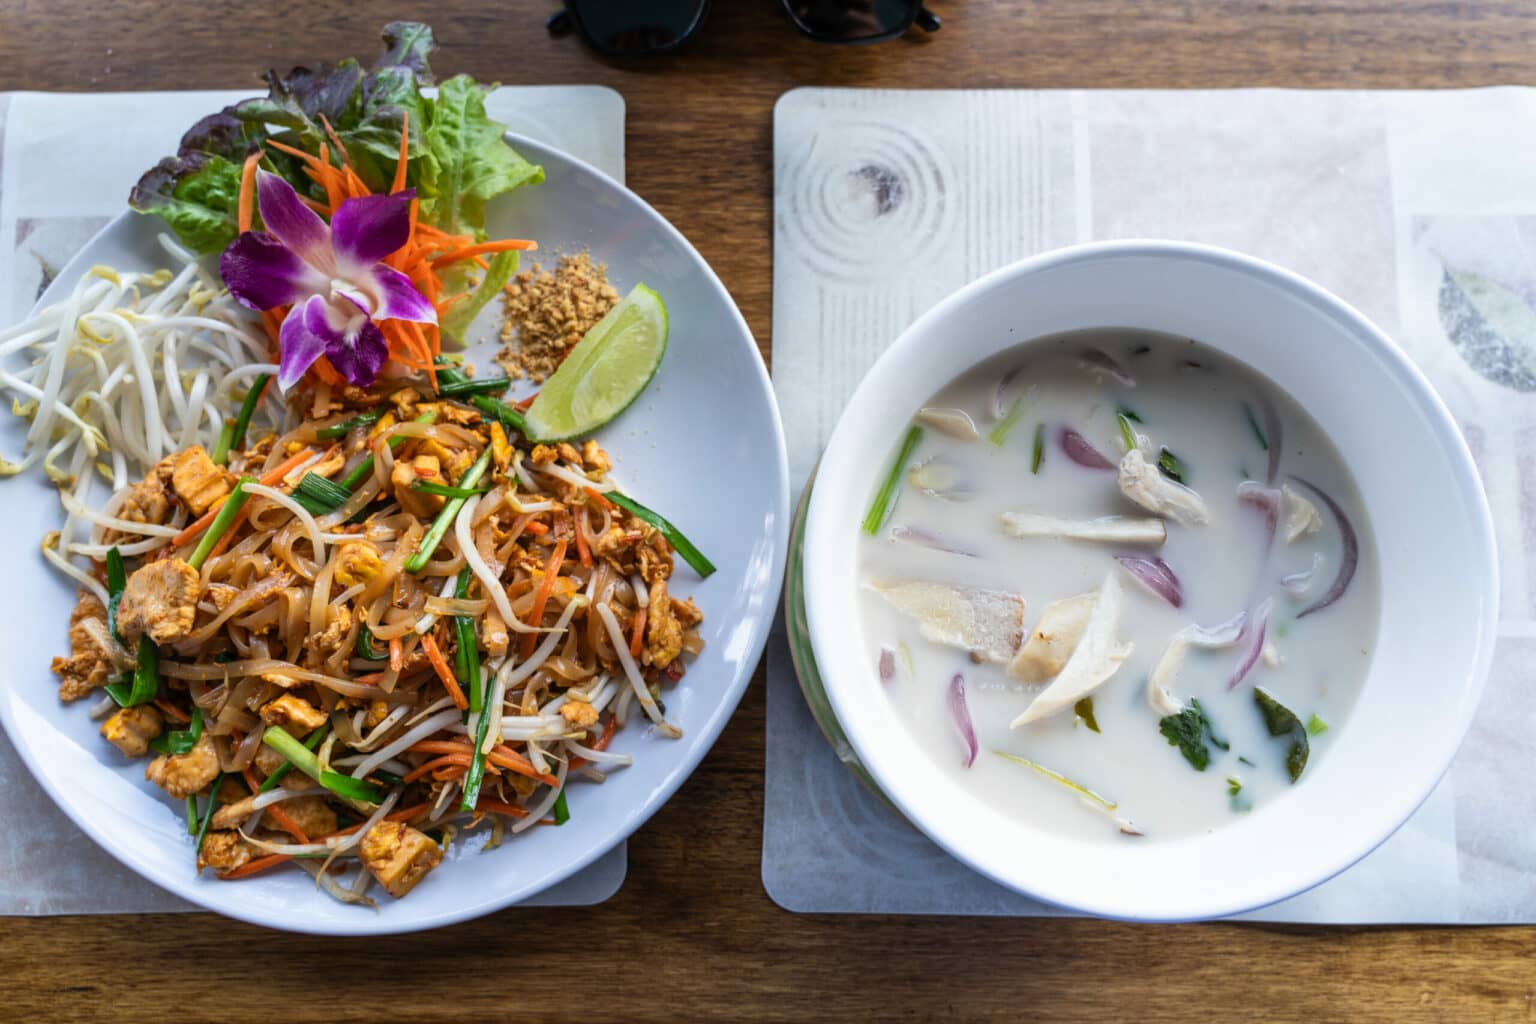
pixel 692 935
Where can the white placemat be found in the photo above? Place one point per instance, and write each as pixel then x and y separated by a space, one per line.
pixel 1419 208
pixel 67 162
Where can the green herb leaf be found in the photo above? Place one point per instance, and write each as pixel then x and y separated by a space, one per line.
pixel 1282 722
pixel 1005 426
pixel 562 812
pixel 1039 452
pixel 1170 465
pixel 1234 785
pixel 1190 730
pixel 882 503
pixel 1084 710
pixel 1240 804
pixel 1316 726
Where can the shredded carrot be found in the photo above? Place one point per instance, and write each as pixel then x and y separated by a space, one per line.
pixel 637 634
pixel 243 213
pixel 540 599
pixel 330 133
pixel 256 866
pixel 327 373
pixel 402 815
pixel 485 803
pixel 398 184
pixel 396 654
pixel 268 479
pixel 222 544
pixel 308 158
pixel 438 762
pixel 501 756
pixel 470 251
pixel 536 528
pixel 608 731
pixel 524 405
pixel 435 656
pixel 597 496
pixel 172 712
pixel 583 553
pixel 273 811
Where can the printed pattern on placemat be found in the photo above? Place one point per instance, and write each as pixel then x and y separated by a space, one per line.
pixel 1417 208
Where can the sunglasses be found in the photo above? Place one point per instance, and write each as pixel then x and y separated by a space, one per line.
pixel 627 28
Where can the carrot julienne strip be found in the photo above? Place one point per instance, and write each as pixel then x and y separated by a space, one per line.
pixel 435 656
pixel 540 599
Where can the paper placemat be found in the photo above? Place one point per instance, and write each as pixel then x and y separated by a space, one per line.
pixel 1419 208
pixel 67 162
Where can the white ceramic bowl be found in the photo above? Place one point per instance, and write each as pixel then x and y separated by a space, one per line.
pixel 727 488
pixel 1431 523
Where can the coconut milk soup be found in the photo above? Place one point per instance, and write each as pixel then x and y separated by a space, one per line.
pixel 1119 585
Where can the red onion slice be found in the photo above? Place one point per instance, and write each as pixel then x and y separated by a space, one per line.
pixel 1097 359
pixel 1265 499
pixel 1077 448
pixel 962 718
pixel 1255 646
pixel 1156 575
pixel 1347 561
pixel 923 538
pixel 887 664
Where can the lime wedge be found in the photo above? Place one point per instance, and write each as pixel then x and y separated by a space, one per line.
pixel 605 372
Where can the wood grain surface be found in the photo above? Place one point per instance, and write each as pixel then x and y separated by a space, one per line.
pixel 692 935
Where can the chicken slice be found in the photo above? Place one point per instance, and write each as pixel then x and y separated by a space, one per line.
pixel 224 851
pixel 181 775
pixel 1301 515
pixel 1167 667
pixel 131 729
pixel 1098 656
pixel 987 623
pixel 89 664
pixel 160 601
pixel 294 714
pixel 1054 638
pixel 399 856
pixel 1143 483
pixel 1104 530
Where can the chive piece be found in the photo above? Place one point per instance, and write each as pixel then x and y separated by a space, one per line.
pixel 117 579
pixel 1127 432
pixel 388 778
pixel 144 683
pixel 302 758
pixel 562 811
pixel 469 647
pixel 692 555
pixel 1034 461
pixel 1234 785
pixel 365 468
pixel 1000 432
pixel 192 815
pixel 221 523
pixel 1316 726
pixel 476 762
pixel 313 743
pixel 1171 466
pixel 1128 413
pixel 1244 760
pixel 445 491
pixel 877 512
pixel 213 801
pixel 364 648
pixel 319 495
pixel 447 515
pixel 1084 710
pixel 182 740
pixel 1239 803
pixel 471 386
pixel 508 416
pixel 342 429
pixel 234 438
pixel 1253 425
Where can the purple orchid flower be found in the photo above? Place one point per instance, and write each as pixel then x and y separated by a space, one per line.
pixel 330 274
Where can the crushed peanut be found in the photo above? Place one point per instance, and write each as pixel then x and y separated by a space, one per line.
pixel 547 312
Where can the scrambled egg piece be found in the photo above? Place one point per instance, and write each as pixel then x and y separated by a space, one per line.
pixel 578 713
pixel 160 600
pixel 295 714
pixel 181 775
pixel 663 633
pixel 407 472
pixel 399 856
pixel 131 729
pixel 197 481
pixel 594 458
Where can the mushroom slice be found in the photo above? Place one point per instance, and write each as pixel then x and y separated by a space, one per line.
pixel 1105 530
pixel 987 623
pixel 1301 516
pixel 954 422
pixel 1097 656
pixel 1054 638
pixel 1141 482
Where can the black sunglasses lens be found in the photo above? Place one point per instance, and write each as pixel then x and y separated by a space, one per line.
pixel 850 21
pixel 637 26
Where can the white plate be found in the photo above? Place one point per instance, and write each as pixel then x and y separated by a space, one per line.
pixel 703 445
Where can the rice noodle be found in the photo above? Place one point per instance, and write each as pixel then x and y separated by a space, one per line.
pixel 406 739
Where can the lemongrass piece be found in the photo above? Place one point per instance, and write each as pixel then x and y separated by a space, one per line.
pixel 1103 530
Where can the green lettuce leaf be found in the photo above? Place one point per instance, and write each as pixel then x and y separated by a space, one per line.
pixel 467 161
pixel 456 322
pixel 195 194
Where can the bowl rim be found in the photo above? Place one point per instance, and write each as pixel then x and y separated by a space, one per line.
pixel 700 740
pixel 1481 534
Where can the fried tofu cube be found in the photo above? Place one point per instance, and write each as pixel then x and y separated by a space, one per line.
pixel 131 729
pixel 398 856
pixel 181 775
pixel 160 601
pixel 295 714
pixel 197 481
pixel 311 813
